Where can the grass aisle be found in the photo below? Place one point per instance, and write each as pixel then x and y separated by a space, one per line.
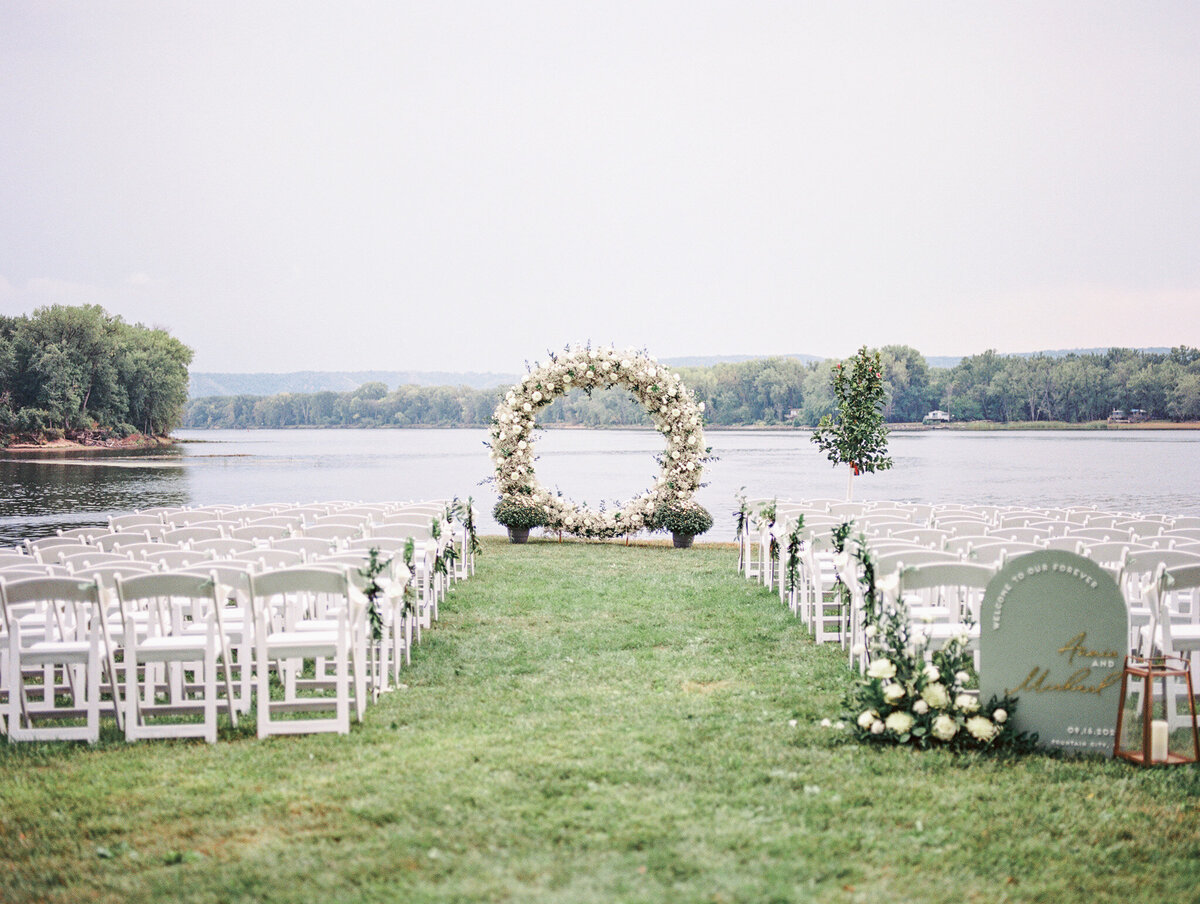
pixel 592 723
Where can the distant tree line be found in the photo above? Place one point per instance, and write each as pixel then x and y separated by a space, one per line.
pixel 79 372
pixel 1075 388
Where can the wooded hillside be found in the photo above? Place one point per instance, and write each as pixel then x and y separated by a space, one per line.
pixel 1073 388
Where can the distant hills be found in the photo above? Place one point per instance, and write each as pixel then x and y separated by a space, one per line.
pixel 201 385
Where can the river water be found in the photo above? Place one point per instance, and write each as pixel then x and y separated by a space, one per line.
pixel 1130 470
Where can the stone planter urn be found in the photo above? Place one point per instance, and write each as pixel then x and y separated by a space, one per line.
pixel 518 534
pixel 682 541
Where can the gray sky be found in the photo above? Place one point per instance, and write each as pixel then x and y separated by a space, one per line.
pixel 462 185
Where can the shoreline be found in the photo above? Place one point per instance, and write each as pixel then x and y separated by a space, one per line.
pixel 126 444
pixel 963 427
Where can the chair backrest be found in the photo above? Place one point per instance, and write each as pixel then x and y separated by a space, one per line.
pixel 924 536
pixel 86 534
pixel 108 542
pixel 400 531
pixel 288 521
pixel 306 579
pixel 177 599
pixel 993 553
pixel 134 521
pixel 180 558
pixel 1100 534
pixel 330 531
pixel 306 546
pixel 81 561
pixel 340 519
pixel 106 575
pixel 269 559
pixel 67 604
pixel 1069 544
pixel 15 558
pixel 956 574
pixel 1112 554
pixel 886 563
pixel 137 550
pixel 33 570
pixel 223 547
pixel 48 548
pixel 193 533
pixel 1020 534
pixel 257 531
pixel 188 518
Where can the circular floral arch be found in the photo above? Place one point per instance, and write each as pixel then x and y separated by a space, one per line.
pixel 670 405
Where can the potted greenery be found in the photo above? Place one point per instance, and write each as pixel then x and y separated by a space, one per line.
pixel 684 520
pixel 519 514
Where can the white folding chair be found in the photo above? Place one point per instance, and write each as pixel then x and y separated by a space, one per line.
pixel 55 648
pixel 307 615
pixel 171 670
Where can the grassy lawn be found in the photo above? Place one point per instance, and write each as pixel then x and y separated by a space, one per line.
pixel 592 723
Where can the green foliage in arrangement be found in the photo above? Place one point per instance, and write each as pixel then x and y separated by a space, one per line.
pixel 372 589
pixel 590 723
pixel 685 517
pixel 857 436
pixel 80 372
pixel 903 699
pixel 518 511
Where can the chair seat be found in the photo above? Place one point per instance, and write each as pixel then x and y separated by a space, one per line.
pixel 282 644
pixel 44 651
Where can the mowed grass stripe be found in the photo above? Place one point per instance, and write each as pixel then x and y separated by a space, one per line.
pixel 592 722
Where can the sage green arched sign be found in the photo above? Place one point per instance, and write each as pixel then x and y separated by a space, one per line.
pixel 1054 632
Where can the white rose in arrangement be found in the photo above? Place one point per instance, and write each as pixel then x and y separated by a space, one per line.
pixel 870 630
pixel 920 707
pixel 522 445
pixel 889 584
pixel 877 727
pixel 936 695
pixel 981 728
pixel 881 668
pixel 866 718
pixel 893 693
pixel 1000 716
pixel 900 722
pixel 931 673
pixel 961 677
pixel 527 407
pixel 858 649
pixel 967 703
pixel 944 728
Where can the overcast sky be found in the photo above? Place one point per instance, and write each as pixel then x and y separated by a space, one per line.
pixel 463 185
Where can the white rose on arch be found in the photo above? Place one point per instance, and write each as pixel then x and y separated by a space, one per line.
pixel 600 368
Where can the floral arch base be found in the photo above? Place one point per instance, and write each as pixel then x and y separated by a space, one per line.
pixel 670 405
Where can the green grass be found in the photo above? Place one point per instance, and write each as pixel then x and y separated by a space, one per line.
pixel 592 723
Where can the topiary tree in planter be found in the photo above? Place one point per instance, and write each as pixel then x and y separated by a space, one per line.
pixel 520 514
pixel 684 519
pixel 858 437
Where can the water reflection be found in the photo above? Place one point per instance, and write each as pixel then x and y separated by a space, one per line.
pixel 40 493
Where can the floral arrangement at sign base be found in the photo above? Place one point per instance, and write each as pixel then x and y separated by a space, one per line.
pixel 685 520
pixel 675 413
pixel 905 698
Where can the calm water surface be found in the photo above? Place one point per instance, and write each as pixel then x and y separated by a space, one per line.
pixel 1136 471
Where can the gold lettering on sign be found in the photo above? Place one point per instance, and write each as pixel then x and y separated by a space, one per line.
pixel 1080 681
pixel 1074 647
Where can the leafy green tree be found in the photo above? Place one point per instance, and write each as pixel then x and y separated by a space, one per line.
pixel 858 436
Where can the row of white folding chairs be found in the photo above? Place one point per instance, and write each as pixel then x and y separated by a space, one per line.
pixel 817 597
pixel 161 646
